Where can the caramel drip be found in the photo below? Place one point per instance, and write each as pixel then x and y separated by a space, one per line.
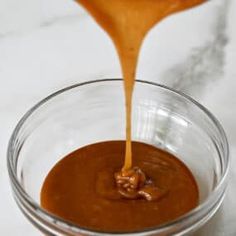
pixel 127 22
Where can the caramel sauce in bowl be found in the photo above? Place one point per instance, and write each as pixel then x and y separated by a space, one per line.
pixel 66 120
pixel 81 188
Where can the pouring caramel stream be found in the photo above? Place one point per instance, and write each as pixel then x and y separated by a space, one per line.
pixel 81 188
pixel 127 22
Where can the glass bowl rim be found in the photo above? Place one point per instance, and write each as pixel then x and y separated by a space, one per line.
pixel 51 218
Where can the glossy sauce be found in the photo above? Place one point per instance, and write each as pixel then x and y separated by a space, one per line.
pixel 80 188
pixel 94 187
pixel 127 22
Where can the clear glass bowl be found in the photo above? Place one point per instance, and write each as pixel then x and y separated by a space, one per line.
pixel 94 111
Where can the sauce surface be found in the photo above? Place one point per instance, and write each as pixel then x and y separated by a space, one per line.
pixel 127 22
pixel 80 188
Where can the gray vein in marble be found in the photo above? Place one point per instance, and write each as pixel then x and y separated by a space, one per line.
pixel 205 65
pixel 66 19
pixel 62 19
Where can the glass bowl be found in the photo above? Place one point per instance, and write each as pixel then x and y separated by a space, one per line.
pixel 94 111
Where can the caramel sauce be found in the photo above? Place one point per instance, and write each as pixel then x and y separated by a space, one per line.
pixel 127 22
pixel 80 188
pixel 93 187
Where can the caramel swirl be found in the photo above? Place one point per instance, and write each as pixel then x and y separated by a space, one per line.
pixel 133 184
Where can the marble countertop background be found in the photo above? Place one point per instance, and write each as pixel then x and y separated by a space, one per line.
pixel 39 54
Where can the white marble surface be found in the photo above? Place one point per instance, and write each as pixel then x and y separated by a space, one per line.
pixel 39 51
